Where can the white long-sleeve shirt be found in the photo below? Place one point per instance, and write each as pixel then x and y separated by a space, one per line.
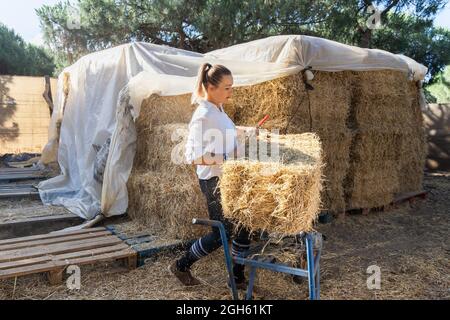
pixel 210 131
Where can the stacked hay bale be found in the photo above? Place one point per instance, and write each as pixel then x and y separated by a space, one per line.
pixel 386 139
pixel 379 108
pixel 330 104
pixel 293 109
pixel 414 145
pixel 163 194
pixel 277 194
pixel 369 124
pixel 283 99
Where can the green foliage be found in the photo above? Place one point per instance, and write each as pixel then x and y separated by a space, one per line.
pixel 415 38
pixel 20 58
pixel 439 91
pixel 204 25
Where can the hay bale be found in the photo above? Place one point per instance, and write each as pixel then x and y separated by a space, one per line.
pixel 166 204
pixel 414 147
pixel 411 166
pixel 330 101
pixel 365 120
pixel 281 98
pixel 330 107
pixel 157 110
pixel 369 124
pixel 376 146
pixel 165 195
pixel 336 158
pixel 165 146
pixel 293 109
pixel 373 186
pixel 280 197
pixel 386 131
pixel 381 101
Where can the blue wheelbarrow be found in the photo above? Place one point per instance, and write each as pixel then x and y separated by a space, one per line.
pixel 313 245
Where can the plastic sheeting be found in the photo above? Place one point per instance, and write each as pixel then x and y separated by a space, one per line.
pixel 107 88
pixel 319 54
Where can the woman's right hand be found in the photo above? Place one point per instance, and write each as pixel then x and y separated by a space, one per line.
pixel 210 159
pixel 248 131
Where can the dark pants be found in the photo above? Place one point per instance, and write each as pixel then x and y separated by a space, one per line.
pixel 212 240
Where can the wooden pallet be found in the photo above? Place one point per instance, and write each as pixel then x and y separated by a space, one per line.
pixel 52 253
pixel 16 170
pixel 411 197
pixel 15 174
pixel 145 247
pixel 17 190
pixel 29 224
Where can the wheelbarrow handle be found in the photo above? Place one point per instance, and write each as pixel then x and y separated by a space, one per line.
pixel 207 222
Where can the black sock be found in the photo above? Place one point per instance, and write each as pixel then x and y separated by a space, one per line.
pixel 238 271
pixel 238 249
pixel 186 261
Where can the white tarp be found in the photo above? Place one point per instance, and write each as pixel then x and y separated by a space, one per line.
pixel 107 89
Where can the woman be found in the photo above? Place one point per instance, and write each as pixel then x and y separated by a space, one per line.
pixel 212 138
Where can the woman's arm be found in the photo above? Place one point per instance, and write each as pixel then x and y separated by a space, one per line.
pixel 210 159
pixel 247 131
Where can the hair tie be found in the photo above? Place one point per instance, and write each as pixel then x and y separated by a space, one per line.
pixel 207 68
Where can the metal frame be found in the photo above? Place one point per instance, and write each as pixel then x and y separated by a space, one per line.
pixel 313 263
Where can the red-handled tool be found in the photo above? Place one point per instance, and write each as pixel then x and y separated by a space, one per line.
pixel 260 123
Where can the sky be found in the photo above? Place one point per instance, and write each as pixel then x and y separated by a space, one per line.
pixel 20 15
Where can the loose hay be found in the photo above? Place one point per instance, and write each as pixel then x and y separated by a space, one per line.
pixel 281 197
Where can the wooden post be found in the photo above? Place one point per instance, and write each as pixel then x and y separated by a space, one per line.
pixel 48 94
pixel 55 277
pixel 131 262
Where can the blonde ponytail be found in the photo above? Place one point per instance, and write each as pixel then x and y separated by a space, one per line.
pixel 200 88
pixel 208 75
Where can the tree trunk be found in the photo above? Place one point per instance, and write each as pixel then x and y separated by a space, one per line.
pixel 182 37
pixel 365 39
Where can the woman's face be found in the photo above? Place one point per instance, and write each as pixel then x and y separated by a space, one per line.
pixel 223 91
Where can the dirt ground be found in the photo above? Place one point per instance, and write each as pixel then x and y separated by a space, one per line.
pixel 410 244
